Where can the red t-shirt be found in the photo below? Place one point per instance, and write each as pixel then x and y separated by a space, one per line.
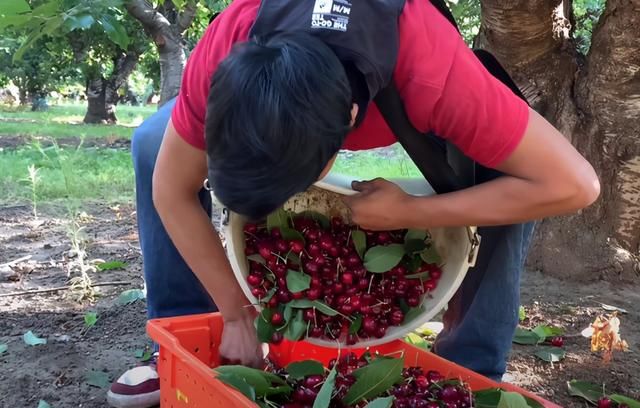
pixel 444 87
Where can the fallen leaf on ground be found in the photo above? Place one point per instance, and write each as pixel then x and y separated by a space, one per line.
pixel 31 339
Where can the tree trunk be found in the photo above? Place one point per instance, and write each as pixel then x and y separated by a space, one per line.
pixel 23 96
pixel 595 102
pixel 166 25
pixel 99 110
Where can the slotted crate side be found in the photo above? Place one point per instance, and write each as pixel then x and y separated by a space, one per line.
pixel 188 353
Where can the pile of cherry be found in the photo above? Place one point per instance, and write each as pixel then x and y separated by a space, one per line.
pixel 351 381
pixel 322 278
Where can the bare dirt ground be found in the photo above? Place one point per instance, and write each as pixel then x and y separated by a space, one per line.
pixel 56 372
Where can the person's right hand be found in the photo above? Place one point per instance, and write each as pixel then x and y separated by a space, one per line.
pixel 240 343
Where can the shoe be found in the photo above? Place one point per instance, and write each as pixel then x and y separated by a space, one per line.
pixel 138 387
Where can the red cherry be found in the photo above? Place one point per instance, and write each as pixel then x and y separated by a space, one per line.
pixel 311 267
pixel 326 242
pixel 353 261
pixel 352 339
pixel 312 381
pixel 316 332
pixel 435 274
pixel 258 292
pixel 250 228
pixel 383 238
pixel 265 250
pixel 273 302
pixel 314 293
pixel 430 285
pixel 276 338
pixel 338 288
pixel 346 309
pixel 347 278
pixel 296 246
pixel 381 330
pixel 449 394
pixel 249 250
pixel 281 245
pixel 284 296
pixel 280 270
pixel 297 295
pixel 309 315
pixel 312 234
pixel 334 251
pixel 557 341
pixel 369 325
pixel 314 250
pixel 275 232
pixel 434 376
pixel 277 319
pixel 254 280
pixel 605 402
pixel 363 283
pixel 355 302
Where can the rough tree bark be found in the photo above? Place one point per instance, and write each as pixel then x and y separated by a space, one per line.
pixel 102 93
pixel 166 26
pixel 595 101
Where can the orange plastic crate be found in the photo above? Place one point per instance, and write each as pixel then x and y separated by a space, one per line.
pixel 188 352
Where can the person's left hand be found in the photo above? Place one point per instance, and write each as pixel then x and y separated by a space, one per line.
pixel 379 205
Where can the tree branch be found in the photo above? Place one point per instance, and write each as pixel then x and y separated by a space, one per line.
pixel 185 18
pixel 151 19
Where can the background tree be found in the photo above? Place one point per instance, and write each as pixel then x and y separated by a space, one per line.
pixel 587 84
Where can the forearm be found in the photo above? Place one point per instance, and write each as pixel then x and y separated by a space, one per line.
pixel 197 241
pixel 506 200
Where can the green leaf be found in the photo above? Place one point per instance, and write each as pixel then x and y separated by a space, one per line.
pixel 288 312
pixel 621 399
pixel 279 218
pixel 279 390
pixel 301 369
pixel 306 304
pixel 547 331
pixel 326 391
pixel 585 390
pixel 115 31
pixel 417 340
pixel 412 314
pixel 359 242
pixel 3 348
pixel 43 404
pixel 110 266
pixel 239 384
pixel 290 234
pixel 298 281
pixel 355 325
pixel 430 255
pixel 550 354
pixel 31 339
pixel 414 245
pixel 526 337
pixel 98 379
pixel 32 38
pixel 9 7
pixel 257 258
pixel 143 355
pixel 421 275
pixel 512 400
pixel 260 380
pixel 130 296
pixel 374 379
pixel 295 258
pixel 488 398
pixel 90 319
pixel 321 219
pixel 382 402
pixel 522 314
pixel 381 259
pixel 79 22
pixel 297 327
pixel 416 234
pixel 269 295
pixel 414 263
pixel 264 328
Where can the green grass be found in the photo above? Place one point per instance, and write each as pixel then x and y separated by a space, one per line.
pixel 66 121
pixel 388 163
pixel 86 174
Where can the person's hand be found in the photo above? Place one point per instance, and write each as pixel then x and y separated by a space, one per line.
pixel 240 343
pixel 379 205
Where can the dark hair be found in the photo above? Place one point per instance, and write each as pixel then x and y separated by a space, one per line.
pixel 278 111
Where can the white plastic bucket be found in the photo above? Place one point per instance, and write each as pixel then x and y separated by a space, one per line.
pixel 456 246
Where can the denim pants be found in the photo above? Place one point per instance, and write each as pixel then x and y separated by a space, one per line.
pixel 480 320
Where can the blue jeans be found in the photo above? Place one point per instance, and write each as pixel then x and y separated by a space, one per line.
pixel 480 320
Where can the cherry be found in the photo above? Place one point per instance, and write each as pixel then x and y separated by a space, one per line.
pixel 273 302
pixel 381 330
pixel 435 274
pixel 605 402
pixel 338 288
pixel 449 394
pixel 249 250
pixel 298 295
pixel 277 319
pixel 434 376
pixel 296 246
pixel 421 382
pixel 265 250
pixel 316 332
pixel 309 315
pixel 430 285
pixel 254 279
pixel 383 238
pixel 314 293
pixel 346 308
pixel 369 325
pixel 368 299
pixel 312 234
pixel 352 261
pixel 316 282
pixel 360 272
pixel 314 250
pixel 363 283
pixel 413 301
pixel 284 296
pixel 311 267
pixel 275 232
pixel 334 251
pixel 336 223
pixel 280 270
pixel 355 303
pixel 313 380
pixel 277 338
pixel 250 228
pixel 347 278
pixel 432 404
pixel 352 339
pixel 258 292
pixel 397 317
pixel 282 246
pixel 326 242
pixel 557 341
pixel 282 282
